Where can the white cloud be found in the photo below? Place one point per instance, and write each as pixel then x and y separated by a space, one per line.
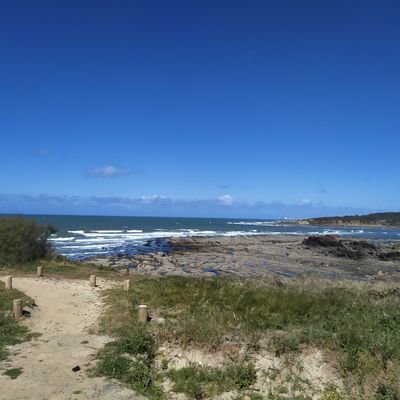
pixel 223 206
pixel 152 199
pixel 225 200
pixel 109 171
pixel 305 202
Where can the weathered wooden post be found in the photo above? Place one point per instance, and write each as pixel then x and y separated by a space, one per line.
pixel 17 308
pixel 93 280
pixel 8 282
pixel 127 285
pixel 39 272
pixel 143 313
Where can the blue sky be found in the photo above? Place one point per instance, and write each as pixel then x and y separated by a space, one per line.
pixel 199 108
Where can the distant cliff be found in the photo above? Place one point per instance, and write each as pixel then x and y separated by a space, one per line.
pixel 391 219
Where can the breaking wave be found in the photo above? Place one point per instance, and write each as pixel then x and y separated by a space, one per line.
pixel 79 244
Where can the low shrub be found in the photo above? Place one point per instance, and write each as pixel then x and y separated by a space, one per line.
pixel 23 240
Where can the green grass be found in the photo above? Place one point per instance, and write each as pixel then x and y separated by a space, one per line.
pixel 360 328
pixel 387 392
pixel 130 359
pixel 13 373
pixel 203 311
pixel 58 268
pixel 205 382
pixel 11 332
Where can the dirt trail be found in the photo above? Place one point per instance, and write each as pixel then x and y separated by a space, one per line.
pixel 65 310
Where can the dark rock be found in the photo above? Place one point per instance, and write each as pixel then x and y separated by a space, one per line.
pixel 335 247
pixel 350 254
pixel 76 369
pixel 363 245
pixel 322 241
pixel 390 256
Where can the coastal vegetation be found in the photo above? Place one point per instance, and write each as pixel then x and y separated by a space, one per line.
pixel 10 331
pixel 241 319
pixel 255 337
pixel 234 325
pixel 23 240
pixel 379 219
pixel 58 267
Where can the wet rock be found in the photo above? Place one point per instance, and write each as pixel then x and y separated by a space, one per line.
pixel 390 256
pixel 322 241
pixel 354 250
pixel 350 254
pixel 363 245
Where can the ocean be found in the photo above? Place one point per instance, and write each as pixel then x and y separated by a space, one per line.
pixel 80 237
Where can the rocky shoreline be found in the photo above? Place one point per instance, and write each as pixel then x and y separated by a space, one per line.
pixel 266 256
pixel 383 220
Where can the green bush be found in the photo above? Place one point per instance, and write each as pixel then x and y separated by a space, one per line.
pixel 387 392
pixel 23 240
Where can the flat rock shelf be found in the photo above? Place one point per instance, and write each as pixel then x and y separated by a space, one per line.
pixel 264 256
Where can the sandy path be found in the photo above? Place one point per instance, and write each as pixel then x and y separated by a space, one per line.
pixel 65 310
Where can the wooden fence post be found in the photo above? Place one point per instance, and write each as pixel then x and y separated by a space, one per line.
pixel 8 282
pixel 93 280
pixel 17 308
pixel 143 313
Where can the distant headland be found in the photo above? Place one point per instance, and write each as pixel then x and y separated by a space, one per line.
pixel 388 219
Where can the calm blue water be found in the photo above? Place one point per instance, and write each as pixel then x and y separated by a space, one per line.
pixel 80 237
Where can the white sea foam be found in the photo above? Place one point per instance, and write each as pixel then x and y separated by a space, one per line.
pixel 341 232
pixel 98 239
pixel 108 231
pixel 138 235
pixel 97 242
pixel 281 233
pixel 106 235
pixel 254 223
pixel 61 239
pixel 240 233
pixel 83 253
pixel 93 246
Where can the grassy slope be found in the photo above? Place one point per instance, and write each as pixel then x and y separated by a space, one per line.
pixel 360 326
